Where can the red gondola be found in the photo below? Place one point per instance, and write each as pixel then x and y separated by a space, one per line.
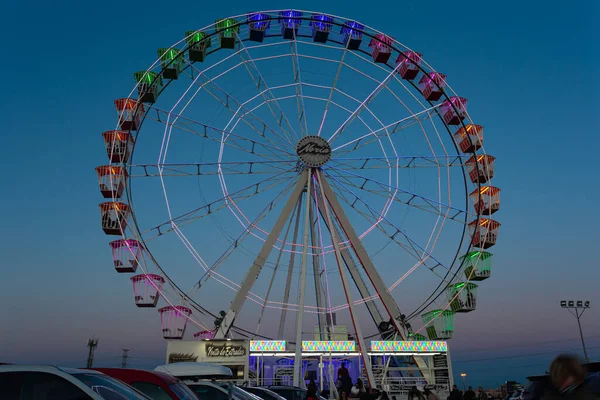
pixel 409 65
pixel 381 48
pixel 114 217
pixel 486 200
pixel 130 113
pixel 111 179
pixel 481 168
pixel 469 138
pixel 485 233
pixel 432 85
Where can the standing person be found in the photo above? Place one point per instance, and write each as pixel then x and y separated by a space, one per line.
pixel 469 394
pixel 429 395
pixel 567 376
pixel 481 395
pixel 311 393
pixel 358 389
pixel 455 394
pixel 414 393
pixel 383 396
pixel 345 381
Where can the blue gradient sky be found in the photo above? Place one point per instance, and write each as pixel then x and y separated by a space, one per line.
pixel 528 69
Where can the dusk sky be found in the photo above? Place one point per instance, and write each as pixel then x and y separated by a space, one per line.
pixel 528 69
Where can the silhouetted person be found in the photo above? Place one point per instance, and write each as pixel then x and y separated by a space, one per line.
pixel 429 395
pixel 455 394
pixel 414 394
pixel 481 395
pixel 383 396
pixel 357 389
pixel 311 393
pixel 345 381
pixel 469 394
pixel 567 376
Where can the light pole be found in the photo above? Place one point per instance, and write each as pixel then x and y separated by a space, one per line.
pixel 464 380
pixel 577 309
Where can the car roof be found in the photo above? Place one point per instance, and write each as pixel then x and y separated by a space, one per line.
pixel 284 387
pixel 262 389
pixel 209 383
pixel 43 368
pixel 193 369
pixel 132 375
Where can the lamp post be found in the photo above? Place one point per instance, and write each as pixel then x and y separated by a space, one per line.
pixel 464 380
pixel 577 308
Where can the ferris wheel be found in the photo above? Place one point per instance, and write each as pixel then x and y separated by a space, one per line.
pixel 275 169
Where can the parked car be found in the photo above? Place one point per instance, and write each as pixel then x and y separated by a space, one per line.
pixel 593 383
pixel 240 392
pixel 33 382
pixel 237 392
pixel 264 393
pixel 290 392
pixel 516 394
pixel 214 391
pixel 196 370
pixel 154 384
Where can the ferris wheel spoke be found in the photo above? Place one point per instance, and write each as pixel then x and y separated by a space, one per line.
pixel 210 86
pixel 236 244
pixel 259 82
pixel 186 124
pixel 379 220
pixel 217 205
pixel 298 79
pixel 367 76
pixel 385 131
pixel 255 269
pixel 333 89
pixel 211 168
pixel 403 162
pixel 363 104
pixel 402 196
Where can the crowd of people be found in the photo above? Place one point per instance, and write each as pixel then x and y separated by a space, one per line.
pixel 566 381
pixel 469 394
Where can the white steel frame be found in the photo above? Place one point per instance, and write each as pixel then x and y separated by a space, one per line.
pixel 321 190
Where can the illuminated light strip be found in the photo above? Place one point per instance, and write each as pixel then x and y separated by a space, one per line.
pixel 350 354
pixel 329 346
pixel 408 346
pixel 267 345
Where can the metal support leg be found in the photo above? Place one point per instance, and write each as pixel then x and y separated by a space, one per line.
pixel 317 272
pixel 354 273
pixel 386 298
pixel 301 294
pixel 260 260
pixel 345 284
pixel 388 302
pixel 288 282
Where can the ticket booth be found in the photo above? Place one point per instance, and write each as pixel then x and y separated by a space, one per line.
pixel 233 354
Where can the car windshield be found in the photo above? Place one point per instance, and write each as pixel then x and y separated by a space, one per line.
pixel 183 391
pixel 593 383
pixel 238 392
pixel 263 393
pixel 110 388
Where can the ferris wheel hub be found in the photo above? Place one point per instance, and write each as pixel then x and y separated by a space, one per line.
pixel 314 151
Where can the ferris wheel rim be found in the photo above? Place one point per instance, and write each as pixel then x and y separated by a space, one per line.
pixel 468 117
